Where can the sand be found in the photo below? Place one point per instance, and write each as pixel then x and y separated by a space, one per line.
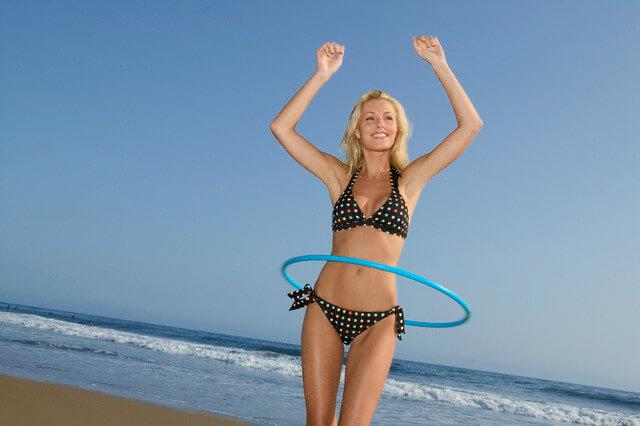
pixel 29 402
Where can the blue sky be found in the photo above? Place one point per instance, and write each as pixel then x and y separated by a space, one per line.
pixel 139 178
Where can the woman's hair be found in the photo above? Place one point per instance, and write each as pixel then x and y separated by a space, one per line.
pixel 398 157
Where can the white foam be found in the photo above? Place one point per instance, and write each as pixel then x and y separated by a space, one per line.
pixel 290 366
pixel 283 364
pixel 504 404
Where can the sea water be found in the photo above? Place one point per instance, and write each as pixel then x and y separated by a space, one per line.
pixel 260 381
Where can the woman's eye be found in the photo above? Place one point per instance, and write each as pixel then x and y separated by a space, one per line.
pixel 369 118
pixel 390 118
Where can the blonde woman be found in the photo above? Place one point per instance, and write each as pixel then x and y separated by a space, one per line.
pixel 374 195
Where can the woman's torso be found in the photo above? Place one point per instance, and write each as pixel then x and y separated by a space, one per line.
pixel 355 286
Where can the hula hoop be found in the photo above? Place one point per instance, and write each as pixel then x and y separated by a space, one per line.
pixel 388 268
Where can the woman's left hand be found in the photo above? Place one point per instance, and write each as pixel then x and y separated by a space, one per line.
pixel 429 49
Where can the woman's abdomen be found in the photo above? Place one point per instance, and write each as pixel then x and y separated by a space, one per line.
pixel 357 287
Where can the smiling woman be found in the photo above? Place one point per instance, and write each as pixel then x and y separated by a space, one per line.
pixel 377 112
pixel 388 116
pixel 388 187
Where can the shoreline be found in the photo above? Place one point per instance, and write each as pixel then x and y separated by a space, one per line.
pixel 27 402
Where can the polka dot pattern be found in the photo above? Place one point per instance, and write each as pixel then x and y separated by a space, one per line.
pixel 347 322
pixel 392 217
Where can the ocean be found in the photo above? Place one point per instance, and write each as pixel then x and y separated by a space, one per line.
pixel 260 381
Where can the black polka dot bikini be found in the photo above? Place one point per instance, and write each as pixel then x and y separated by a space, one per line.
pixel 392 218
pixel 347 322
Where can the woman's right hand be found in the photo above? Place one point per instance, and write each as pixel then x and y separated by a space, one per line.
pixel 329 58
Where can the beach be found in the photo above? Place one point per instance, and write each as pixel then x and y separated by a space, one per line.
pixel 29 402
pixel 141 373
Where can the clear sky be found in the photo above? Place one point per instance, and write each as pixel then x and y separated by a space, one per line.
pixel 139 178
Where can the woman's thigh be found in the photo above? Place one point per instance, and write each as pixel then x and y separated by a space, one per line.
pixel 322 354
pixel 367 368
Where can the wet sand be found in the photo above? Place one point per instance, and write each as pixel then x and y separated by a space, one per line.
pixel 29 402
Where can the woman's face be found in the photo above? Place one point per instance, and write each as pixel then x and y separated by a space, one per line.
pixel 377 128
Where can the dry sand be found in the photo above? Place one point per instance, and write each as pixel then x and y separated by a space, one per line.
pixel 29 402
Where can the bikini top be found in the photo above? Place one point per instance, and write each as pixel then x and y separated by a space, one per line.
pixel 392 217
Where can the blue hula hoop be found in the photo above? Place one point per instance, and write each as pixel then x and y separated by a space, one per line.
pixel 388 268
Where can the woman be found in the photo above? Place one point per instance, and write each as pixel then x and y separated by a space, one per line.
pixel 374 195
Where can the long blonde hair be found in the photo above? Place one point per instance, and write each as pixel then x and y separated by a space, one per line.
pixel 399 156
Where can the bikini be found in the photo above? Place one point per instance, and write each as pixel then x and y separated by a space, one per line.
pixel 392 218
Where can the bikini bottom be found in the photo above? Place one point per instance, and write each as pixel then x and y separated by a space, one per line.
pixel 347 322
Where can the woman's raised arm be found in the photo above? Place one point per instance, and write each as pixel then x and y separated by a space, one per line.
pixel 422 169
pixel 329 59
